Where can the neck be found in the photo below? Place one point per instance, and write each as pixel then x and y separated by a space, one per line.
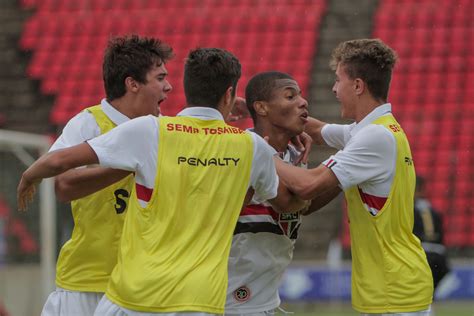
pixel 366 105
pixel 277 138
pixel 224 110
pixel 124 106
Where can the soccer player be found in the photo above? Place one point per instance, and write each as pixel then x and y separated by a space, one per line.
pixel 192 174
pixel 135 81
pixel 374 168
pixel 263 242
pixel 264 239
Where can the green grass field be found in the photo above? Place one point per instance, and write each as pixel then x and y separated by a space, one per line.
pixel 456 308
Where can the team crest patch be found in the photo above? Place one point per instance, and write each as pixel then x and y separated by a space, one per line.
pixel 242 294
pixel 289 224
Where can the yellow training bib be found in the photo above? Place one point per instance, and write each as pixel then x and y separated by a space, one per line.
pixel 390 272
pixel 87 259
pixel 174 252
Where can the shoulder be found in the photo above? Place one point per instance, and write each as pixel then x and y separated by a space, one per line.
pixel 143 122
pixel 80 128
pixel 375 136
pixel 83 121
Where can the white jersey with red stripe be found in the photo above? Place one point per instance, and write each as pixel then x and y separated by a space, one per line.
pixel 262 248
pixel 366 158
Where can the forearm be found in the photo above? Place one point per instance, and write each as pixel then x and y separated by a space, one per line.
pixel 322 200
pixel 297 180
pixel 306 183
pixel 78 183
pixel 51 165
pixel 313 128
pixel 57 162
pixel 286 201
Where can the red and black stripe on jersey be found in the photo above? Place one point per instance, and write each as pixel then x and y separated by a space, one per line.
pixel 258 218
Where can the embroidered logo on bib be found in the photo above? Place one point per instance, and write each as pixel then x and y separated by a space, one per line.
pixel 289 224
pixel 242 294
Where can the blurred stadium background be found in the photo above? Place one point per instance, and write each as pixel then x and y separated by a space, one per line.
pixel 50 60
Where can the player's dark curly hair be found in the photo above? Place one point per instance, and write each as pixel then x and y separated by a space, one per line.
pixel 131 56
pixel 208 73
pixel 368 59
pixel 261 87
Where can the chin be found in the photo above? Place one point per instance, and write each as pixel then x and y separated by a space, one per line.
pixel 297 131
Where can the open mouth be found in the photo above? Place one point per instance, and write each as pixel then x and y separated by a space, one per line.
pixel 161 101
pixel 304 117
pixel 158 108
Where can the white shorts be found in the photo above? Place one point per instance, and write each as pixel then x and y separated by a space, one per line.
pixel 426 312
pixel 71 303
pixel 267 313
pixel 107 308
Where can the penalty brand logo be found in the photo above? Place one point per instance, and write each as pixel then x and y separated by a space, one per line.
pixel 206 162
pixel 242 294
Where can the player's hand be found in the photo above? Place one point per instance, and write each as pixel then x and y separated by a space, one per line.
pixel 240 110
pixel 25 192
pixel 303 143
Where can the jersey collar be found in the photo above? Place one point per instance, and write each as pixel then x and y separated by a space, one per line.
pixel 202 113
pixel 379 111
pixel 112 113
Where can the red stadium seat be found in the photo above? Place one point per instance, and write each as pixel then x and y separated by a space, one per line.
pixel 434 84
pixel 70 24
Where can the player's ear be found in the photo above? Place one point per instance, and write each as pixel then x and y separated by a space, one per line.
pixel 131 84
pixel 359 86
pixel 228 97
pixel 260 108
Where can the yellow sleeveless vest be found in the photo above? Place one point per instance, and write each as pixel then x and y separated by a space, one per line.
pixel 87 259
pixel 390 272
pixel 174 252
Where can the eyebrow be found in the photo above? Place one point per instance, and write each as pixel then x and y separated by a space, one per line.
pixel 296 89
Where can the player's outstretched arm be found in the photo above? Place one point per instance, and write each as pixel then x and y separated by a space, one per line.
pixel 78 183
pixel 286 201
pixel 321 200
pixel 51 165
pixel 307 183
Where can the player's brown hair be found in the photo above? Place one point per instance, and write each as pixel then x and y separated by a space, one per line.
pixel 208 73
pixel 131 56
pixel 368 59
